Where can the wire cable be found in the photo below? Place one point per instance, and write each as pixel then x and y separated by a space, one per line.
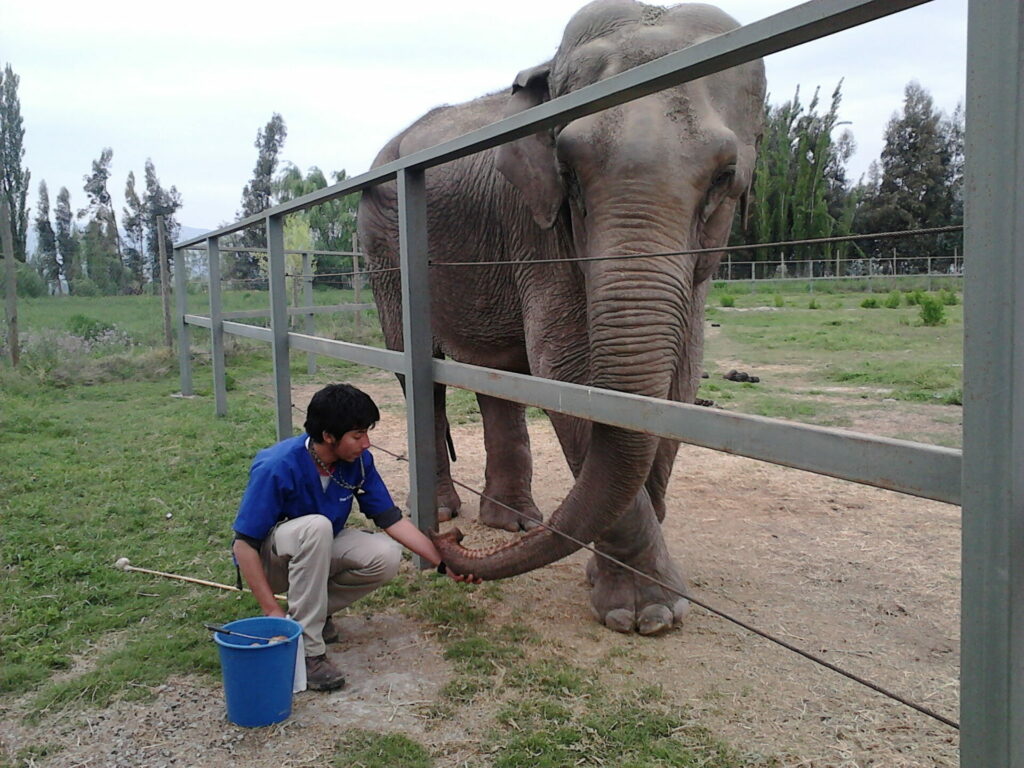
pixel 721 614
pixel 719 249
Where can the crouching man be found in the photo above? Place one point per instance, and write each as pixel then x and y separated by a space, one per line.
pixel 290 533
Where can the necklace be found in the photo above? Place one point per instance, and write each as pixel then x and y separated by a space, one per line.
pixel 358 490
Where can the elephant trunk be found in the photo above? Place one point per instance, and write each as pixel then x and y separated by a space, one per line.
pixel 635 324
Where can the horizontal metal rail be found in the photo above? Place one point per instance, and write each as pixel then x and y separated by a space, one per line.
pixel 249 331
pixel 249 249
pixel 387 359
pixel 801 24
pixel 201 320
pixel 918 469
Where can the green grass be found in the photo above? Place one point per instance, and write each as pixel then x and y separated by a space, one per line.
pixel 100 461
pixel 369 749
pixel 93 473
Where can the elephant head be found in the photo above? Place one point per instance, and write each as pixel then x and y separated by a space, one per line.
pixel 660 174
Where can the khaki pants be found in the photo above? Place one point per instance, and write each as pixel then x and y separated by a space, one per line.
pixel 323 573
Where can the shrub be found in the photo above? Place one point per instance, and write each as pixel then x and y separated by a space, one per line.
pixel 87 328
pixel 949 298
pixel 870 303
pixel 779 301
pixel 893 300
pixel 913 298
pixel 83 286
pixel 29 284
pixel 813 304
pixel 932 311
pixel 728 300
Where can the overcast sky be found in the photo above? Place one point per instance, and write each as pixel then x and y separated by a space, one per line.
pixel 191 87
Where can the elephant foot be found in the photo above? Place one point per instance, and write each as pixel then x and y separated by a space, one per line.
pixel 495 512
pixel 625 602
pixel 448 502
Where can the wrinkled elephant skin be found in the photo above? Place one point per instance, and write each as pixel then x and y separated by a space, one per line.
pixel 660 174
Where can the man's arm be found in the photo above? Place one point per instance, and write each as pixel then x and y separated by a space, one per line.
pixel 413 539
pixel 250 565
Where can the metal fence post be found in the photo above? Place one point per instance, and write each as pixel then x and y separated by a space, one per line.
pixel 220 385
pixel 279 325
pixel 418 348
pixel 992 612
pixel 307 297
pixel 181 309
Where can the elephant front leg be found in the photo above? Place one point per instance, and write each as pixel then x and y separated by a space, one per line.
pixel 509 470
pixel 623 600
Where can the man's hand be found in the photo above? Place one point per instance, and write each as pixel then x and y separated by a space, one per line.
pixel 469 578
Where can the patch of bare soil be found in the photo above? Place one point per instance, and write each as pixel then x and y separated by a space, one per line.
pixel 865 578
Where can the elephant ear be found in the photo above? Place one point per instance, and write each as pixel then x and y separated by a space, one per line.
pixel 529 163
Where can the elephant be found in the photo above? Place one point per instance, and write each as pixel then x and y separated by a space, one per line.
pixel 661 174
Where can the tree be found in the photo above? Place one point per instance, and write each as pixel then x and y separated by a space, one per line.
pixel 135 233
pixel 256 196
pixel 14 179
pixel 46 246
pixel 332 224
pixel 67 244
pixel 100 203
pixel 919 177
pixel 159 202
pixel 799 189
pixel 99 257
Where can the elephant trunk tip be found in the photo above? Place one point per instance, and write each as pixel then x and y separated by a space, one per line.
pixel 447 538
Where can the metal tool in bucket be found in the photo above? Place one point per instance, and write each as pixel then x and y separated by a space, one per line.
pixel 257 659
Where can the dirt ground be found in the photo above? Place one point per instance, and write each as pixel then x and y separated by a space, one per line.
pixel 865 578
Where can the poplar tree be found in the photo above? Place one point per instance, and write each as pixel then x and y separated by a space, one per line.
pixel 14 179
pixel 67 244
pixel 100 203
pixel 135 233
pixel 256 196
pixel 159 202
pixel 46 246
pixel 799 189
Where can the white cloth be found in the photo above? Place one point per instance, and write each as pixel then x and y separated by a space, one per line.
pixel 299 681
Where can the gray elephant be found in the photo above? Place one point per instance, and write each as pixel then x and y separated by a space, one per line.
pixel 660 174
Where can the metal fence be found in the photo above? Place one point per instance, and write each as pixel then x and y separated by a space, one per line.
pixel 987 479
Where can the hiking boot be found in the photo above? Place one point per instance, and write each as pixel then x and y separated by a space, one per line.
pixel 330 634
pixel 322 675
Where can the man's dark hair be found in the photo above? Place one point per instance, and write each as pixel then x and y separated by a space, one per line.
pixel 337 409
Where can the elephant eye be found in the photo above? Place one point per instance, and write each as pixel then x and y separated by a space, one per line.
pixel 724 177
pixel 719 189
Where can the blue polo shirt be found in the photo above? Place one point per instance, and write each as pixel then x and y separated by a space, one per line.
pixel 284 484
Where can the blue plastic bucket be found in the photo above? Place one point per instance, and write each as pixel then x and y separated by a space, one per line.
pixel 258 675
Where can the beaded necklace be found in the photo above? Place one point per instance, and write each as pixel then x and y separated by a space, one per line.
pixel 358 490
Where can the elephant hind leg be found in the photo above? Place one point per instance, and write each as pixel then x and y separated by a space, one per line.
pixel 509 471
pixel 448 501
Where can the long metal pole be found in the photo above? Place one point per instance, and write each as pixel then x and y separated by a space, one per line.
pixel 220 389
pixel 279 325
pixel 992 614
pixel 418 347
pixel 181 309
pixel 11 287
